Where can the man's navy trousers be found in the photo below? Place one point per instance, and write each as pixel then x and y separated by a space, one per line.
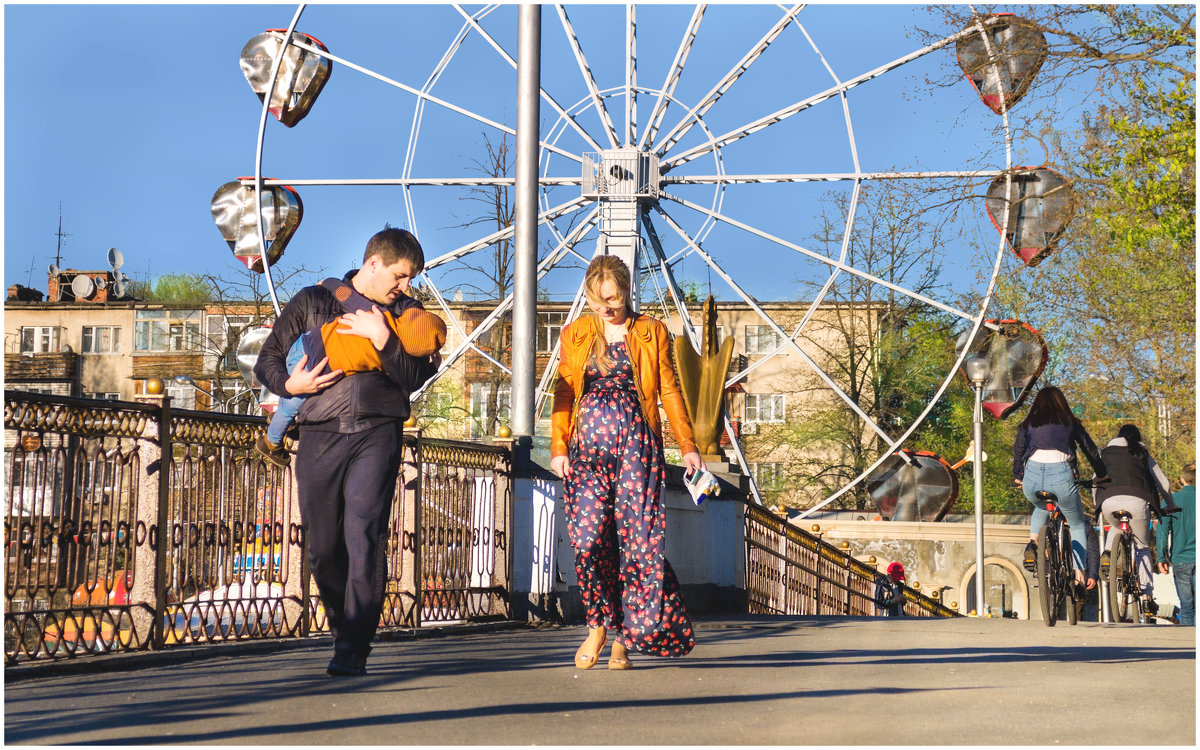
pixel 347 482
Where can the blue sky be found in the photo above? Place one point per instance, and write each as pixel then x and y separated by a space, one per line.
pixel 131 116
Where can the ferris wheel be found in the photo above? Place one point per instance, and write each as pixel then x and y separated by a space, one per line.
pixel 660 157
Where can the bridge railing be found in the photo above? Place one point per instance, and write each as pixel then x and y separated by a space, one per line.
pixel 792 572
pixel 89 485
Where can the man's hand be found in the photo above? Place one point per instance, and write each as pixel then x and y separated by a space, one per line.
pixel 369 324
pixel 1018 482
pixel 1164 568
pixel 304 382
pixel 560 466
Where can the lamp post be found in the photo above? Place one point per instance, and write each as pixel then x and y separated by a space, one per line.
pixel 978 368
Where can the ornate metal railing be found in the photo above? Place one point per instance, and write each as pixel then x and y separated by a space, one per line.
pixel 89 484
pixel 792 572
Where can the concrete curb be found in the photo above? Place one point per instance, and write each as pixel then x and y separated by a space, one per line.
pixel 129 660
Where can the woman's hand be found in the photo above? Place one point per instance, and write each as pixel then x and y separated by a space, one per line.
pixel 692 461
pixel 560 466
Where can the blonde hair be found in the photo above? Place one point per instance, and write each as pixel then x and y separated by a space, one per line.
pixel 605 268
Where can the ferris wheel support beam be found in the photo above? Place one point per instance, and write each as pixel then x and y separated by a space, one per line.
pixel 738 179
pixel 525 220
pixel 668 88
pixel 586 71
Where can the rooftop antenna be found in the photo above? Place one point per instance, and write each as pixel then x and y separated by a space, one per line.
pixel 29 276
pixel 60 235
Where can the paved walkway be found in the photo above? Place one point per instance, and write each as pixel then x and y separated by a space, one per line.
pixel 751 680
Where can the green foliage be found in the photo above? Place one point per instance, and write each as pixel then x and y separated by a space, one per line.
pixel 182 287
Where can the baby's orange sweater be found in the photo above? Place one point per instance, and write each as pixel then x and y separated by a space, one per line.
pixel 421 333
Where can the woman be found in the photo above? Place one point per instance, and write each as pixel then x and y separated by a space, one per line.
pixel 606 444
pixel 1044 459
pixel 1136 483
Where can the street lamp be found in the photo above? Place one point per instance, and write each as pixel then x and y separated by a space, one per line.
pixel 978 369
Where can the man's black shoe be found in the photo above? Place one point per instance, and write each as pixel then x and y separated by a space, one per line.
pixel 346 665
pixel 1031 557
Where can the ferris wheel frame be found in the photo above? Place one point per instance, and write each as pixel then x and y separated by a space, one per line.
pixel 693 241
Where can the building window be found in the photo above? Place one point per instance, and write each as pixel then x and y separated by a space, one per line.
pixel 761 340
pixel 481 399
pixel 101 340
pixel 39 339
pixel 766 474
pixel 224 335
pixel 764 407
pixel 166 331
pixel 103 395
pixel 549 326
pixel 183 396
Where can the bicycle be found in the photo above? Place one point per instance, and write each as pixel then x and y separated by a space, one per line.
pixel 1055 572
pixel 1124 590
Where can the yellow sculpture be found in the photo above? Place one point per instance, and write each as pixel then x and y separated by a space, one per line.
pixel 702 379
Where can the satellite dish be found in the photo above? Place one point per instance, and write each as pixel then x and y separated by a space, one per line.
pixel 101 282
pixel 115 259
pixel 119 289
pixel 82 286
pixel 53 269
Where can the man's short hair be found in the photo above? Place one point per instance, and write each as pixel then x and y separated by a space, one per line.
pixel 393 245
pixel 1189 473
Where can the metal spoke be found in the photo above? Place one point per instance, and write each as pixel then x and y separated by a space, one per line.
pixel 734 179
pixel 786 112
pixel 712 97
pixel 672 80
pixel 419 113
pixel 486 324
pixel 630 73
pixel 590 80
pixel 422 181
pixel 819 257
pixel 790 343
pixel 672 286
pixel 430 98
pixel 500 234
pixel 976 321
pixel 545 95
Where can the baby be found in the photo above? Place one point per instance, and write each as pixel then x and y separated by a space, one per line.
pixel 421 333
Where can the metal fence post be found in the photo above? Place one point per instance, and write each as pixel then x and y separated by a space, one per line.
pixel 161 534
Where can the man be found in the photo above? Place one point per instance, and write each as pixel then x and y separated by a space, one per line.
pixel 1177 545
pixel 889 592
pixel 350 428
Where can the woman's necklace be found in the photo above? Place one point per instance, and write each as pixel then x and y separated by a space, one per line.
pixel 614 333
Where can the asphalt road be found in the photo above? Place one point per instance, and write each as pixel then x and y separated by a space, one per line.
pixel 750 680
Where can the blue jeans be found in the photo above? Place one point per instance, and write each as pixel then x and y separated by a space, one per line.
pixel 288 408
pixel 1059 479
pixel 1185 586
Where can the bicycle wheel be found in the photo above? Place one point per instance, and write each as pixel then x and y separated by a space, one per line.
pixel 1067 569
pixel 1046 579
pixel 1122 590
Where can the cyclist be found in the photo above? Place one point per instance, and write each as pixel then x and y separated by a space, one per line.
pixel 1137 485
pixel 1044 459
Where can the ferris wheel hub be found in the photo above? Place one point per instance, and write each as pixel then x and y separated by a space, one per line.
pixel 621 173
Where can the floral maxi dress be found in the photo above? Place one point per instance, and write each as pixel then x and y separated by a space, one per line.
pixel 614 517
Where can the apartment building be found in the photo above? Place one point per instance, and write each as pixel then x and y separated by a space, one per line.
pixel 108 348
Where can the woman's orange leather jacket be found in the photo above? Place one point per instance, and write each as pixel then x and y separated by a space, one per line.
pixel 648 343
